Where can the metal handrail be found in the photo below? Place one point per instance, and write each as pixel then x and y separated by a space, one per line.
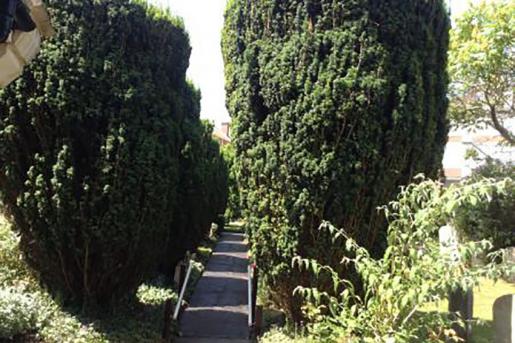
pixel 183 290
pixel 249 279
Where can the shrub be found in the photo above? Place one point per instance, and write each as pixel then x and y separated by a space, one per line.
pixel 493 220
pixel 18 313
pixel 412 272
pixel 335 104
pixel 277 335
pixel 12 266
pixel 155 295
pixel 90 138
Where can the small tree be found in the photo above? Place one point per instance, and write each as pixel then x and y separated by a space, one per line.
pixel 482 67
pixel 412 272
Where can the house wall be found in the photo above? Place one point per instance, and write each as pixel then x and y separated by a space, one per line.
pixel 485 142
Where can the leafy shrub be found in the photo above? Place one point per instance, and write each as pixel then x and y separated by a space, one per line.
pixel 412 272
pixel 335 104
pixel 90 148
pixel 12 266
pixel 493 220
pixel 278 335
pixel 155 295
pixel 18 312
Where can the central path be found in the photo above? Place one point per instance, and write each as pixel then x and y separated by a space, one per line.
pixel 218 310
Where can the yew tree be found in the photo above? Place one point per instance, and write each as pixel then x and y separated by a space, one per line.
pixel 95 160
pixel 335 105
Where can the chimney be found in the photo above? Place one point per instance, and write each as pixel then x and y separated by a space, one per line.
pixel 225 129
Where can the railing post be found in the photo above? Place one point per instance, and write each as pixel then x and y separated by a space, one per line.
pixel 250 292
pixel 183 290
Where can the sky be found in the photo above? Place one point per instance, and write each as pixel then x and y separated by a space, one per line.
pixel 204 21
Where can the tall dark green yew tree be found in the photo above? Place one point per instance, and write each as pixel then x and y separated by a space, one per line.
pixel 336 103
pixel 93 139
pixel 202 190
pixel 233 211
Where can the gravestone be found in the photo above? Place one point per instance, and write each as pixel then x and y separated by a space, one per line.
pixel 460 301
pixel 504 319
pixel 449 243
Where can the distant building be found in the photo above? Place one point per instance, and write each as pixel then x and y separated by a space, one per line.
pixel 486 143
pixel 223 135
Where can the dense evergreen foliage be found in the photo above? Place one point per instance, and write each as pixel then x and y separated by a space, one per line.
pixel 233 211
pixel 202 192
pixel 335 104
pixel 94 149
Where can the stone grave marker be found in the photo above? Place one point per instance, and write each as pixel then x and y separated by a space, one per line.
pixel 449 242
pixel 504 319
pixel 460 301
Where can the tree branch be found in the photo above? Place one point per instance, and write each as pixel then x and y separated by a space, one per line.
pixel 505 133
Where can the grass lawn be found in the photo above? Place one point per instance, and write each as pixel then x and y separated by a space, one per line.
pixel 484 297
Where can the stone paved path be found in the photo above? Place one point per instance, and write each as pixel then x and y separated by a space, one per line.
pixel 218 309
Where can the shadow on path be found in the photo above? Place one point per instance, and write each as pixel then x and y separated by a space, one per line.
pixel 218 309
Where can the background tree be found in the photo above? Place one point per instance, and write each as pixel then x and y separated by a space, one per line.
pixel 482 67
pixel 494 219
pixel 335 104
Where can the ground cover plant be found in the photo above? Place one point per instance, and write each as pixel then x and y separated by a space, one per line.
pixel 335 104
pixel 28 313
